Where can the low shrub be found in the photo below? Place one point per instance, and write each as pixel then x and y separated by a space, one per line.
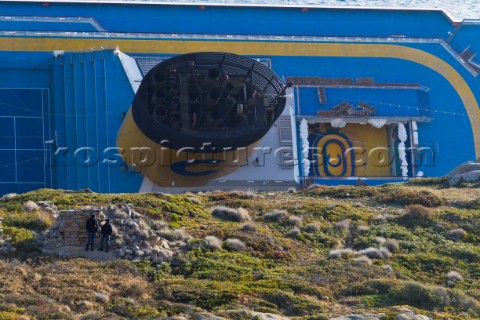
pixel 417 295
pixel 342 226
pixel 30 206
pixel 8 196
pixel 392 245
pixel 456 234
pixel 238 215
pixel 213 243
pixel 246 195
pixel 417 215
pixel 453 277
pixel 36 220
pixel 409 196
pixel 294 221
pixel 339 253
pixel 235 244
pixel 374 253
pixel 364 260
pixel 175 235
pixel 249 227
pixel 277 215
pixel 294 233
pixel 18 236
pixel 312 228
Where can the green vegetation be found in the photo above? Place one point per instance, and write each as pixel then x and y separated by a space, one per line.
pixel 301 255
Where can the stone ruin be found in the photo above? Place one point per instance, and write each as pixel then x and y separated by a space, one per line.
pixel 132 237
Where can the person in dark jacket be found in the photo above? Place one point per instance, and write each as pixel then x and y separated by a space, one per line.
pixel 106 232
pixel 92 227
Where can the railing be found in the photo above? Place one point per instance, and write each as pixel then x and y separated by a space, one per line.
pixel 457 56
pixel 91 21
pixel 273 38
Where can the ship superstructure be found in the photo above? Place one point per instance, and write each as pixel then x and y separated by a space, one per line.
pixel 370 95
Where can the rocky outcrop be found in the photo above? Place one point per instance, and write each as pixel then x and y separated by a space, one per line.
pixel 468 172
pixel 368 316
pixel 132 238
pixel 402 313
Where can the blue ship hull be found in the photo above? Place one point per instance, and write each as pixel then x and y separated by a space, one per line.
pixel 377 95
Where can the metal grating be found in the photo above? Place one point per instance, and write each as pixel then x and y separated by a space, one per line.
pixel 286 143
pixel 146 64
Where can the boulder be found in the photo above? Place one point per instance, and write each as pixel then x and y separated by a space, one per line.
pixel 368 316
pixel 267 316
pixel 471 176
pixel 412 316
pixel 205 316
pixel 464 167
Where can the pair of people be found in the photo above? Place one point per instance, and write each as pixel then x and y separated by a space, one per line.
pixel 92 228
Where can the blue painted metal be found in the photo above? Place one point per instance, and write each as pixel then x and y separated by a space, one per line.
pixel 85 94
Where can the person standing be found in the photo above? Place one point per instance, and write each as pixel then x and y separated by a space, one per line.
pixel 106 232
pixel 92 227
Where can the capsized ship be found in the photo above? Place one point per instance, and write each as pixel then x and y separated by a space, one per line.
pixel 126 96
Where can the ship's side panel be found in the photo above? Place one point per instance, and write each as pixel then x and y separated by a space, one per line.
pixel 412 73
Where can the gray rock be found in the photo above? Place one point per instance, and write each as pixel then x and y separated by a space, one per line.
pixel 464 167
pixel 471 176
pixel 267 316
pixel 205 316
pixel 412 316
pixel 402 310
pixel 368 316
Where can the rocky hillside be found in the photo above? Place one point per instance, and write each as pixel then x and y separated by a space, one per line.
pixel 402 251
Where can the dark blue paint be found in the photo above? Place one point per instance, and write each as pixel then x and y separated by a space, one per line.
pixel 181 167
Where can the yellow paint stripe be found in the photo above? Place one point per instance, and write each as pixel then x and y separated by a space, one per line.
pixel 269 49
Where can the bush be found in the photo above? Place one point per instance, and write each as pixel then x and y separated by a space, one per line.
pixel 235 244
pixel 194 200
pixel 380 240
pixel 410 196
pixel 372 287
pixel 294 221
pixel 238 215
pixel 277 215
pixel 36 220
pixel 30 206
pixel 249 227
pixel 18 236
pixel 453 277
pixel 175 235
pixel 364 260
pixel 339 253
pixel 342 226
pixel 456 234
pixel 416 215
pixel 312 228
pixel 374 253
pixel 246 195
pixel 392 245
pixel 294 233
pixel 9 196
pixel 213 243
pixel 418 212
pixel 417 295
